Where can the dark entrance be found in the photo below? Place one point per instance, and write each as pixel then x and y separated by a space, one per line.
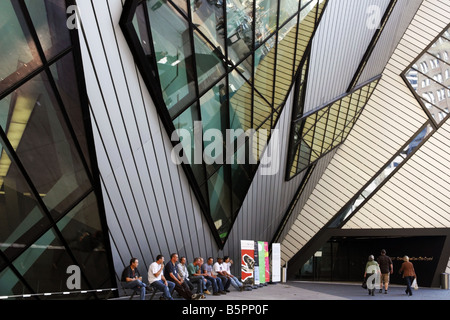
pixel 344 258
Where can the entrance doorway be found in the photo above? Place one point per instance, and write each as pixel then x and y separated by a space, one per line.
pixel 344 258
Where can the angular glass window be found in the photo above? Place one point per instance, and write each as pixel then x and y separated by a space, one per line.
pixel 320 132
pixel 427 79
pixel 233 60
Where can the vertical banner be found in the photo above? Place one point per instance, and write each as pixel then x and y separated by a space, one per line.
pixel 247 261
pixel 266 260
pixel 276 262
pixel 262 262
pixel 256 273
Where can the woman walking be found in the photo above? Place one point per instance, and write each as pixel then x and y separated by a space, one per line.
pixel 409 274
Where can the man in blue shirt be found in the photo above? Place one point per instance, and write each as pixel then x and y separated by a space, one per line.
pixel 171 274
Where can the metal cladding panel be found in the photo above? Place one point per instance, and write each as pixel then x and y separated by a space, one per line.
pixel 415 196
pixel 338 47
pixel 390 119
pixel 398 22
pixel 151 208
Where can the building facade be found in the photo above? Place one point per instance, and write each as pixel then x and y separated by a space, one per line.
pixel 143 127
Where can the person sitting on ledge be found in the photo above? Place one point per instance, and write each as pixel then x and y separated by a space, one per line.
pixel 132 279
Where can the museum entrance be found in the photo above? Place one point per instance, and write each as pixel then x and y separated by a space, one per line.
pixel 344 258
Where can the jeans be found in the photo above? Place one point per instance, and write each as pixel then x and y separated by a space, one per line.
pixel 226 282
pixel 236 283
pixel 216 284
pixel 166 290
pixel 202 285
pixel 409 281
pixel 136 285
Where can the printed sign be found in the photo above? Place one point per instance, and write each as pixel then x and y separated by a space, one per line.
pixel 247 261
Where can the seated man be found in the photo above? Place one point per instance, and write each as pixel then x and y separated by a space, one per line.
pixel 219 271
pixel 157 279
pixel 132 279
pixel 171 273
pixel 234 280
pixel 209 274
pixel 195 276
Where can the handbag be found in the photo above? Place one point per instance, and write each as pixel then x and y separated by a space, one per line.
pixel 414 284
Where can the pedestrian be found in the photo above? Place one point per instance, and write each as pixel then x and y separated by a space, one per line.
pixel 372 274
pixel 386 268
pixel 409 274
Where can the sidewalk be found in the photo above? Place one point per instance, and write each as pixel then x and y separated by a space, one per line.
pixel 301 290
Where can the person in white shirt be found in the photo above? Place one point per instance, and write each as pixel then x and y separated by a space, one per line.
pixel 156 278
pixel 219 271
pixel 234 280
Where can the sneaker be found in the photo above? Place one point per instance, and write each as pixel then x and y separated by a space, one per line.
pixel 222 292
pixel 381 291
pixel 206 292
pixel 216 294
pixel 385 292
pixel 203 296
pixel 227 290
pixel 195 296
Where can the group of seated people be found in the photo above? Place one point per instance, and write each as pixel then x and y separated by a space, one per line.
pixel 179 276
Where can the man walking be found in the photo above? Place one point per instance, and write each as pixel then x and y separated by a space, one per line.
pixel 386 268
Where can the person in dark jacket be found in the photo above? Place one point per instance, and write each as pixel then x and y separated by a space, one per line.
pixel 132 279
pixel 386 268
pixel 409 274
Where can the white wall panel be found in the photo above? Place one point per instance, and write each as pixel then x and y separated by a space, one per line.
pixel 390 119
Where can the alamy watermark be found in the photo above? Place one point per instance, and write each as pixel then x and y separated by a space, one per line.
pixel 74 280
pixel 210 147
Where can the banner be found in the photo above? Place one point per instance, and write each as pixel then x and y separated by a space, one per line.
pixel 247 261
pixel 262 262
pixel 256 271
pixel 276 262
pixel 266 259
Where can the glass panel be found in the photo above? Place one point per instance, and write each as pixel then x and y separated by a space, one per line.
pixel 38 133
pixel 285 61
pixel 214 121
pixel 241 176
pixel 11 285
pixel 50 21
pixel 240 102
pixel 21 218
pixel 188 126
pixel 19 55
pixel 64 75
pixel 266 18
pixel 209 60
pixel 42 263
pixel 219 201
pixel 265 68
pixel 140 26
pixel 240 32
pixel 82 229
pixel 171 41
pixel 287 9
pixel 207 16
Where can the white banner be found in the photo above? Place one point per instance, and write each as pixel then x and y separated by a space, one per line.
pixel 276 262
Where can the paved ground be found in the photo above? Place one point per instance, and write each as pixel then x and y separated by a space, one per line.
pixel 300 290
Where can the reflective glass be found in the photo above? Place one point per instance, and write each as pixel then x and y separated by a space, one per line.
pixel 21 218
pixel 19 55
pixel 64 75
pixel 240 29
pixel 11 285
pixel 43 262
pixel 82 230
pixel 140 26
pixel 219 202
pixel 171 41
pixel 265 68
pixel 240 102
pixel 266 18
pixel 50 21
pixel 287 9
pixel 40 137
pixel 214 120
pixel 188 124
pixel 209 61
